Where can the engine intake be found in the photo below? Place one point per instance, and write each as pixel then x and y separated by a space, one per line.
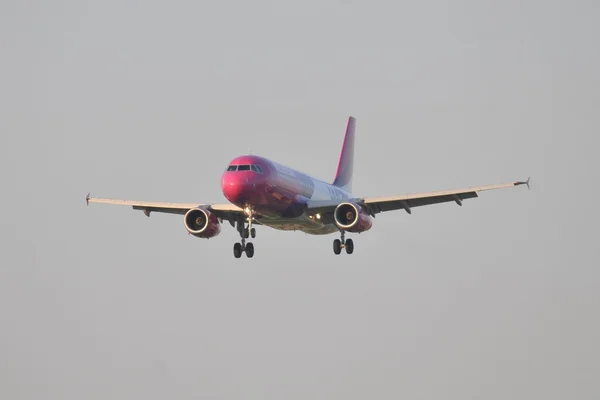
pixel 352 218
pixel 201 223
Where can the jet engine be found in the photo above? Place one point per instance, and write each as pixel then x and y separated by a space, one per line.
pixel 352 218
pixel 201 223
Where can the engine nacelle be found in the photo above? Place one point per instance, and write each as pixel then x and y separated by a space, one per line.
pixel 201 223
pixel 352 218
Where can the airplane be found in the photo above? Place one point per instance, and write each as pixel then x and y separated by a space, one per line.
pixel 263 192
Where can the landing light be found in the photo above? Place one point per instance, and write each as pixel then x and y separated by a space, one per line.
pixel 318 216
pixel 247 210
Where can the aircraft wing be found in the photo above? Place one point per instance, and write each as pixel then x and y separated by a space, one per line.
pixel 224 211
pixel 408 201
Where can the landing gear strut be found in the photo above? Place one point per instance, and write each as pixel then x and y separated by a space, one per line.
pixel 339 244
pixel 245 233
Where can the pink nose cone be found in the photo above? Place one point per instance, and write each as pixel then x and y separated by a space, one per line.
pixel 233 191
pixel 234 186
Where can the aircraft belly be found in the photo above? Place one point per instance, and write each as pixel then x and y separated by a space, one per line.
pixel 302 223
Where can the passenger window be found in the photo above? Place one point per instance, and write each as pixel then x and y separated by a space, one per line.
pixel 232 168
pixel 244 168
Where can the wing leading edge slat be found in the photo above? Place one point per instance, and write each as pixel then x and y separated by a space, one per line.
pixel 223 210
pixel 407 202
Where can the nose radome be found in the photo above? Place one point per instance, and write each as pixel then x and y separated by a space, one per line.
pixel 233 190
pixel 233 186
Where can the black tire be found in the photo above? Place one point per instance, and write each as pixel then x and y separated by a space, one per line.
pixel 349 246
pixel 337 246
pixel 237 250
pixel 253 233
pixel 246 233
pixel 250 250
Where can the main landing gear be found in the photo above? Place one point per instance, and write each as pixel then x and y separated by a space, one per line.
pixel 243 247
pixel 245 233
pixel 347 244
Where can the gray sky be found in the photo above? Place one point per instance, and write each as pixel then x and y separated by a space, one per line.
pixel 150 100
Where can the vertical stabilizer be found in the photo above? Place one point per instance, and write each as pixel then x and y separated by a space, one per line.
pixel 343 176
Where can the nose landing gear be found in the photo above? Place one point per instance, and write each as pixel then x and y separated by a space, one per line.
pixel 249 232
pixel 245 233
pixel 343 243
pixel 243 247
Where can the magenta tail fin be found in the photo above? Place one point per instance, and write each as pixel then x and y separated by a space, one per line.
pixel 343 176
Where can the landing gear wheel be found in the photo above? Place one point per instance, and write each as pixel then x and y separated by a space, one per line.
pixel 249 250
pixel 246 233
pixel 349 246
pixel 337 246
pixel 237 250
pixel 253 233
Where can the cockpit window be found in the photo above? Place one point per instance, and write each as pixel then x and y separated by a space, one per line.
pixel 252 167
